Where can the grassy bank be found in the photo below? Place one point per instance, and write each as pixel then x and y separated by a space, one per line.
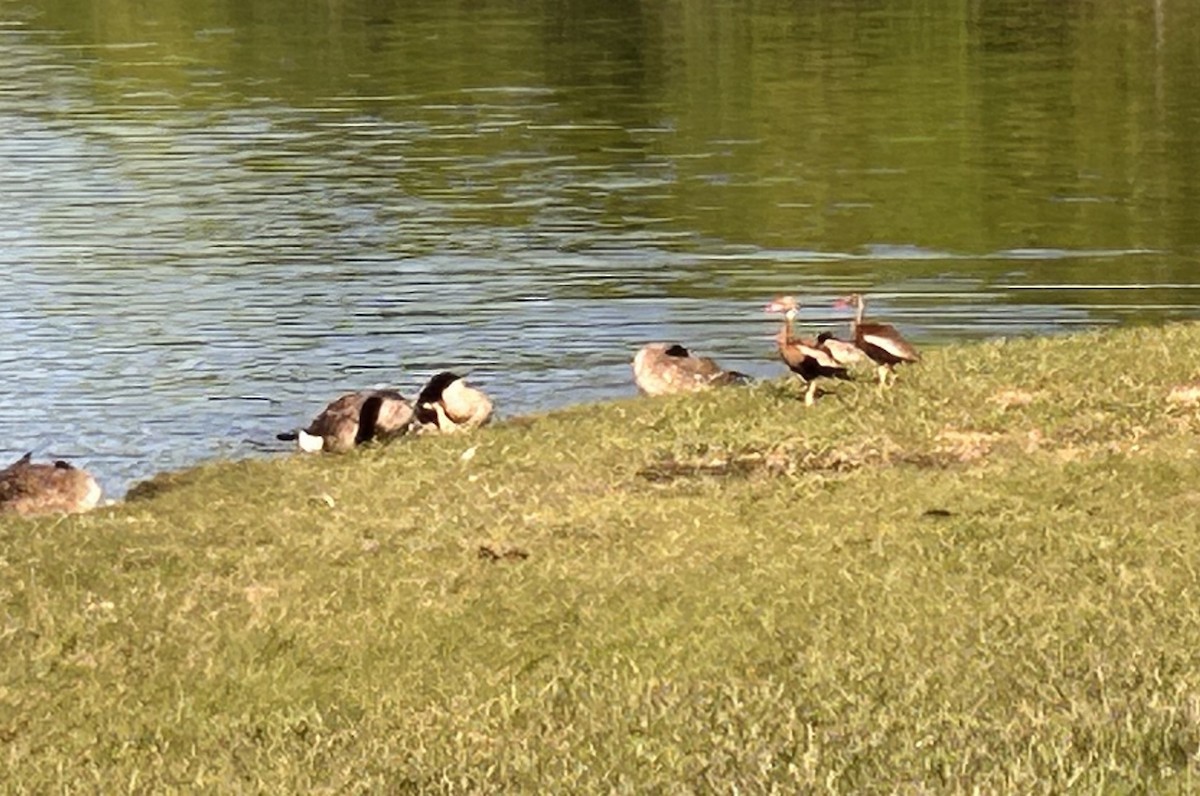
pixel 984 578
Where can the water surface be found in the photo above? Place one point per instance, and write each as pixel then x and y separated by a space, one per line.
pixel 215 219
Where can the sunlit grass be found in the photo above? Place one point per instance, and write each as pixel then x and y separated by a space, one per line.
pixel 984 578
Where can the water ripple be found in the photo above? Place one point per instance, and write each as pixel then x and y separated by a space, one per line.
pixel 193 264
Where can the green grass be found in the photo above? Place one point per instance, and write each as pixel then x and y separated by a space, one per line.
pixel 984 580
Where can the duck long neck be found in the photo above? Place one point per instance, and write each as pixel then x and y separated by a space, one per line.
pixel 786 330
pixel 858 316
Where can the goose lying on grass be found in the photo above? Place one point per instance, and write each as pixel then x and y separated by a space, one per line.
pixel 55 488
pixel 665 368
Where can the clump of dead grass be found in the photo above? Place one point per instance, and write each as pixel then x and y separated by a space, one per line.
pixel 1185 395
pixel 1010 398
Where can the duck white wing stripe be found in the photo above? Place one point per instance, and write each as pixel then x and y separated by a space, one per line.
pixel 823 359
pixel 894 347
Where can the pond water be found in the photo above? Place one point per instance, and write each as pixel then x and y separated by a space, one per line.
pixel 216 217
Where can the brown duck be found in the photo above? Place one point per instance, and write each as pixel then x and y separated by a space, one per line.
pixel 56 488
pixel 881 342
pixel 665 368
pixel 808 359
pixel 353 419
pixel 448 404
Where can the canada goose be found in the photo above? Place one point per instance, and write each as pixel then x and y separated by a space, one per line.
pixel 881 342
pixel 665 368
pixel 353 419
pixel 28 488
pixel 808 359
pixel 448 404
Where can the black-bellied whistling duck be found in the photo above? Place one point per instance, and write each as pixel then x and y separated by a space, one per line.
pixel 448 404
pixel 806 358
pixel 665 368
pixel 885 346
pixel 353 419
pixel 843 351
pixel 57 488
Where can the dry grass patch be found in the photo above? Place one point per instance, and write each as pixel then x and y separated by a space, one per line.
pixel 1185 395
pixel 1010 398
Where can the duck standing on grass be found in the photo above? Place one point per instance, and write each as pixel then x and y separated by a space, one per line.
pixel 58 488
pixel 353 419
pixel 843 351
pixel 808 359
pixel 665 368
pixel 881 342
pixel 448 404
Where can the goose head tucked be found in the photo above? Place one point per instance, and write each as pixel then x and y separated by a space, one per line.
pixel 666 368
pixel 57 488
pixel 447 403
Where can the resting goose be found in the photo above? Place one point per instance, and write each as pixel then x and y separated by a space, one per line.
pixel 448 404
pixel 353 419
pixel 665 368
pixel 57 488
pixel 808 359
pixel 881 342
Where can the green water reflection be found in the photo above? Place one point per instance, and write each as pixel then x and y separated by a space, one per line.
pixel 962 127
